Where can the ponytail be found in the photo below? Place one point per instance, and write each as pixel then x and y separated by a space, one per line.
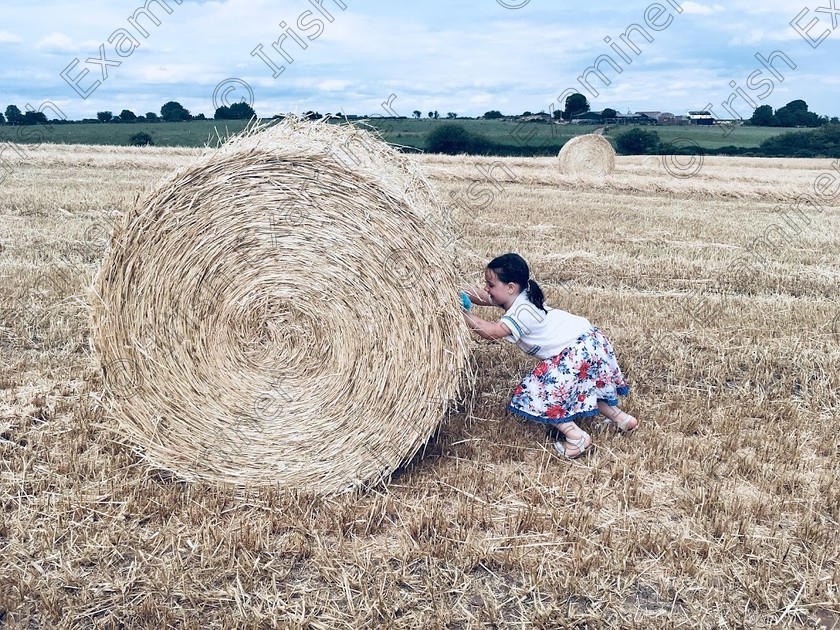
pixel 535 295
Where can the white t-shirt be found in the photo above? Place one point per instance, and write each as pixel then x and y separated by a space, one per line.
pixel 539 333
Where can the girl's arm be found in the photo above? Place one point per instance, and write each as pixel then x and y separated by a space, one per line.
pixel 485 329
pixel 477 296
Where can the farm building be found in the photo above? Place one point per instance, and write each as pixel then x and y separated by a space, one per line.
pixel 701 117
pixel 542 117
pixel 661 118
pixel 589 118
pixel 654 115
pixel 638 118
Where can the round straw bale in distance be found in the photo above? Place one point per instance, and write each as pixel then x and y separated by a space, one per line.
pixel 589 154
pixel 253 327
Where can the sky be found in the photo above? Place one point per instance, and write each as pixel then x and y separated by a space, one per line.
pixel 371 57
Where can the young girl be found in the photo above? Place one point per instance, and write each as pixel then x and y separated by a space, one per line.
pixel 578 375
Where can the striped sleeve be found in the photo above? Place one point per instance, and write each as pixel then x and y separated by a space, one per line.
pixel 513 326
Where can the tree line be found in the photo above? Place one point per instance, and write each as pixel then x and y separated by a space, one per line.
pixel 574 105
pixel 794 114
pixel 171 111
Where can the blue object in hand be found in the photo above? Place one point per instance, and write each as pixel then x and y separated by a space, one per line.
pixel 465 301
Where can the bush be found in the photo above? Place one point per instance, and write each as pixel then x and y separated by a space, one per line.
pixel 668 148
pixel 453 139
pixel 637 142
pixel 822 142
pixel 237 111
pixel 140 139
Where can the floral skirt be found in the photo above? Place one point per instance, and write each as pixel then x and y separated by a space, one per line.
pixel 569 385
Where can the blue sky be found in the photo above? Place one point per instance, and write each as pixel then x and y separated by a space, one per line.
pixel 450 56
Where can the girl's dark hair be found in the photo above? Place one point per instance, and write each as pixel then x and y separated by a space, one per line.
pixel 513 268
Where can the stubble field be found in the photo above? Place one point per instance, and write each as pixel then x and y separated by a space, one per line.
pixel 721 296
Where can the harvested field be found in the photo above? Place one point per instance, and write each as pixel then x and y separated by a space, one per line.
pixel 721 296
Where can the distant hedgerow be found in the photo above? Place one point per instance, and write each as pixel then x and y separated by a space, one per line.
pixel 454 139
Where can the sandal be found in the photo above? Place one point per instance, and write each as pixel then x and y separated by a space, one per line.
pixel 583 445
pixel 624 425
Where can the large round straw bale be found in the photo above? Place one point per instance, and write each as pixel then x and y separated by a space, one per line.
pixel 589 154
pixel 272 314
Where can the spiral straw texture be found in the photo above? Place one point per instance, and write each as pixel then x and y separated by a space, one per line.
pixel 279 314
pixel 588 154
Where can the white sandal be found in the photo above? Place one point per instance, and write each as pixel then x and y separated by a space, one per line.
pixel 582 443
pixel 622 426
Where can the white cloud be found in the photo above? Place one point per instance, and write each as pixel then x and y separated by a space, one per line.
pixel 701 9
pixel 9 38
pixel 757 36
pixel 334 85
pixel 61 43
pixel 169 73
pixel 785 7
pixel 55 41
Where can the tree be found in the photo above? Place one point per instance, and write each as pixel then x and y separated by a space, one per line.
pixel 796 114
pixel 575 104
pixel 173 111
pixel 436 116
pixel 2 119
pixel 796 106
pixel 127 115
pixel 140 139
pixel 557 114
pixel 762 116
pixel 527 113
pixel 237 111
pixel 104 116
pixel 834 120
pixel 13 115
pixel 493 113
pixel 151 117
pixel 35 118
pixel 453 139
pixel 609 112
pixel 417 113
pixel 637 142
pixel 451 115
